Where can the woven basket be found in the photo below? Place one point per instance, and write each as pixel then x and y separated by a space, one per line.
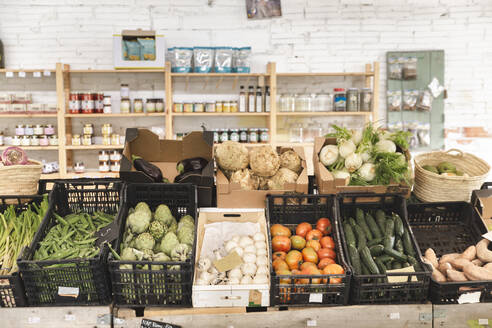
pixel 432 187
pixel 20 179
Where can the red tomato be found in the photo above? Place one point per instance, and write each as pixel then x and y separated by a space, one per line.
pixel 324 262
pixel 327 242
pixel 298 242
pixel 303 228
pixel 279 264
pixel 314 244
pixel 333 269
pixel 327 252
pixel 306 264
pixel 279 255
pixel 314 234
pixel 309 255
pixel 281 244
pixel 284 272
pixel 324 225
pixel 279 230
pixel 294 259
pixel 310 270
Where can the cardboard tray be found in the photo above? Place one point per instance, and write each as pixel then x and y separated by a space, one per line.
pixel 327 184
pixel 165 154
pixel 230 195
pixel 229 295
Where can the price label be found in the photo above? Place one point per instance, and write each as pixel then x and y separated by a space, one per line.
pixel 315 298
pixel 9 74
pixel 33 320
pixel 484 322
pixel 68 291
pixel 69 317
pixel 395 316
pixel 311 323
pixel 36 74
pixel 21 74
pixel 470 298
pixel 47 73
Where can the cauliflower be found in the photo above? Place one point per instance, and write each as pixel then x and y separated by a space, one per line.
pixel 291 160
pixel 231 155
pixel 264 161
pixel 283 176
pixel 168 243
pixel 245 179
pixel 144 241
pixel 138 222
pixel 163 215
pixel 156 229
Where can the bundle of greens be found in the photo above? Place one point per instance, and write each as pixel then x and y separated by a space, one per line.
pixel 17 230
pixel 367 157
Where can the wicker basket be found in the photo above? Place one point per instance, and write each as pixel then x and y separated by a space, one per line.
pixel 20 179
pixel 432 187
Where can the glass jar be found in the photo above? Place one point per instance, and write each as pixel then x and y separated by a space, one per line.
pixel 107 100
pixel 264 135
pixel 296 132
pixel 53 140
pixel 125 91
pixel 125 105
pixel 38 129
pixel 87 140
pixel 49 129
pixel 224 135
pixel 103 155
pixel 115 166
pixel 115 156
pixel 188 107
pixel 219 108
pixel 339 100
pixel 107 109
pixel 233 105
pixel 138 105
pixel 107 140
pixel 34 141
pixel 253 135
pixel 74 105
pixel 150 106
pixel 44 141
pixel 88 129
pixel 178 107
pixel 16 141
pixel 79 167
pixel 365 100
pixel 210 107
pixel 76 141
pixel 88 103
pixel 243 135
pixel 352 100
pixel 287 103
pixel 234 135
pixel 99 103
pixel 25 141
pixel 19 130
pixel 104 166
pixel 324 102
pixel 199 107
pixel 303 103
pixel 115 139
pixel 28 130
pixel 226 107
pixel 107 129
pixel 216 135
pixel 159 105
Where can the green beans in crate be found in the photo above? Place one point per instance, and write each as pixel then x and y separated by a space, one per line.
pixel 64 265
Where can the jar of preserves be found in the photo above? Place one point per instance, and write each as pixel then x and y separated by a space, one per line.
pixel 88 103
pixel 98 103
pixel 224 135
pixel 19 130
pixel 352 100
pixel 124 91
pixel 107 109
pixel 243 135
pixel 38 130
pixel 16 141
pixel 138 105
pixel 115 167
pixel 125 105
pixel 74 105
pixel 79 167
pixel 103 155
pixel 104 166
pixel 234 135
pixel 115 156
pixel 115 139
pixel 49 129
pixel 53 140
pixel 226 107
pixel 25 141
pixel 233 105
pixel 107 100
pixel 107 140
pixel 188 107
pixel 178 107
pixel 88 129
pixel 87 140
pixel 210 107
pixel 44 141
pixel 34 141
pixel 29 130
pixel 339 100
pixel 150 106
pixel 219 108
pixel 76 141
pixel 107 129
pixel 159 105
pixel 253 135
pixel 365 100
pixel 264 135
pixel 199 107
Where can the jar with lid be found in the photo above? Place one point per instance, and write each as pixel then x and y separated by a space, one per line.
pixel 104 166
pixel 88 129
pixel 138 105
pixel 107 100
pixel 103 155
pixel 159 105
pixel 19 130
pixel 125 105
pixel 124 91
pixel 74 104
pixel 224 135
pixel 28 130
pixel 216 135
pixel 115 156
pixel 107 109
pixel 243 135
pixel 49 129
pixel 115 139
pixel 150 106
pixel 352 100
pixel 324 102
pixel 219 108
pixel 25 141
pixel 178 107
pixel 303 103
pixel 107 129
pixel 98 103
pixel 234 135
pixel 38 129
pixel 287 103
pixel 53 140
pixel 16 141
pixel 365 102
pixel 226 107
pixel 88 103
pixel 79 167
pixel 114 166
pixel 210 107
pixel 87 140
pixel 34 141
pixel 188 107
pixel 199 107
pixel 253 135
pixel 264 135
pixel 106 140
pixel 339 100
pixel 44 141
pixel 233 106
pixel 76 140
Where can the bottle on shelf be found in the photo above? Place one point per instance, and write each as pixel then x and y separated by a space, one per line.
pixel 259 100
pixel 251 99
pixel 242 99
pixel 266 104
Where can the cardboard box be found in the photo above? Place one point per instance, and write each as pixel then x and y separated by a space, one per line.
pixel 165 154
pixel 229 295
pixel 230 195
pixel 482 202
pixel 327 184
pixel 160 51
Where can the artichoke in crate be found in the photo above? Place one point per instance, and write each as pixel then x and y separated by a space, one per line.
pixel 138 222
pixel 181 253
pixel 163 215
pixel 168 243
pixel 143 207
pixel 186 220
pixel 156 229
pixel 159 257
pixel 144 241
pixel 186 235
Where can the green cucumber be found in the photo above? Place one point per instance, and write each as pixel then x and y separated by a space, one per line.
pixel 407 243
pixel 365 270
pixel 381 266
pixel 352 222
pixel 376 250
pixel 395 254
pixel 405 265
pixel 398 225
pixel 376 232
pixel 385 258
pixel 414 262
pixel 389 229
pixel 399 245
pixel 375 241
pixel 396 265
pixel 355 259
pixel 349 234
pixel 388 241
pixel 361 237
pixel 361 221
pixel 366 257
pixel 381 220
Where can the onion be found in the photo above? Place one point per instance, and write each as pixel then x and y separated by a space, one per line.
pixel 248 269
pixel 260 244
pixel 367 172
pixel 260 279
pixel 239 251
pixel 230 245
pixel 353 162
pixel 259 237
pixel 249 257
pixel 328 155
pixel 246 280
pixel 245 241
pixel 261 251
pixel 346 148
pixel 250 249
pixel 262 269
pixel 235 273
pixel 338 174
pixel 261 260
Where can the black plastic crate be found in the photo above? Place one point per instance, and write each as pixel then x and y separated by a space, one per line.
pixel 171 286
pixel 89 276
pixel 373 289
pixel 449 227
pixel 289 211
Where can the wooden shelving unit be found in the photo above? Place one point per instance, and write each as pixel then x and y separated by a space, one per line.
pixel 270 78
pixel 34 147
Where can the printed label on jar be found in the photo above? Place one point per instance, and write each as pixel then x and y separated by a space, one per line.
pixel 74 105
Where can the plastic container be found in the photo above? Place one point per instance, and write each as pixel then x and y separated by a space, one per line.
pixel 171 286
pixel 449 227
pixel 86 276
pixel 290 211
pixel 371 289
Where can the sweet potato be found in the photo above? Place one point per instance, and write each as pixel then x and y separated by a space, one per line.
pixel 477 262
pixel 438 276
pixel 431 256
pixel 488 266
pixel 454 275
pixel 459 263
pixel 443 267
pixel 470 253
pixel 474 272
pixel 448 257
pixel 483 252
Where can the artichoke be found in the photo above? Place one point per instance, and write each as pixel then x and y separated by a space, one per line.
pixel 144 208
pixel 127 254
pixel 148 254
pixel 181 253
pixel 138 222
pixel 187 219
pixel 156 230
pixel 159 257
pixel 168 243
pixel 186 235
pixel 144 241
pixel 163 215
pixel 173 227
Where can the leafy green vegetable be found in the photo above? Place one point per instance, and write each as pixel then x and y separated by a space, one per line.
pixel 400 138
pixel 390 168
pixel 340 133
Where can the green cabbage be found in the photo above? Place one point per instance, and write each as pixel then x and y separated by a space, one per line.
pixel 168 243
pixel 144 241
pixel 163 215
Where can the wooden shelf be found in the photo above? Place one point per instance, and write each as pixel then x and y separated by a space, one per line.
pixel 82 71
pixel 91 174
pixel 324 113
pixel 218 74
pixel 363 74
pixel 31 70
pixel 221 114
pixel 116 115
pixel 51 176
pixel 27 115
pixel 32 147
pixel 95 147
